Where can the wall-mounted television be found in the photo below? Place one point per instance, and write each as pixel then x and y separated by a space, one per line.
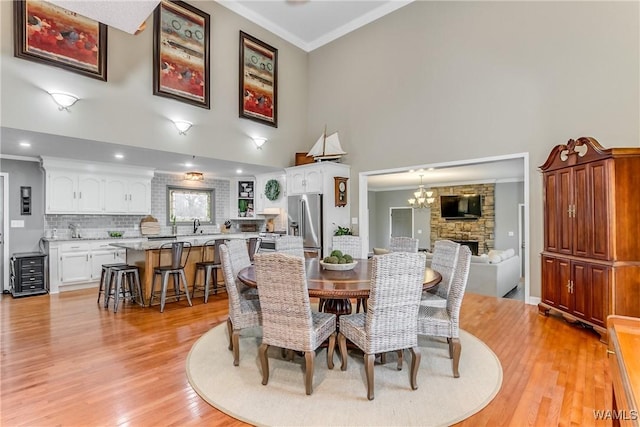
pixel 461 207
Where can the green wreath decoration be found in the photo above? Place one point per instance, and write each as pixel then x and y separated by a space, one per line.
pixel 272 189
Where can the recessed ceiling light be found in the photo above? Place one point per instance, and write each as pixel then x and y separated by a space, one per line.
pixel 188 164
pixel 119 156
pixel 412 170
pixel 238 170
pixel 431 169
pixel 25 144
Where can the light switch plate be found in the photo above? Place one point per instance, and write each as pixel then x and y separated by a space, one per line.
pixel 354 220
pixel 17 223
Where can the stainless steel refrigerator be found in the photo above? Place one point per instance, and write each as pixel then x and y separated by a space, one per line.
pixel 305 219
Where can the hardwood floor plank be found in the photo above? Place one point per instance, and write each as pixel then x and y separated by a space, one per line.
pixel 67 361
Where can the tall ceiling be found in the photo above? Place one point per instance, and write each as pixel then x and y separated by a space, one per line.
pixel 307 24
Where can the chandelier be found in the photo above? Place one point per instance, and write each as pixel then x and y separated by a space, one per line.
pixel 421 198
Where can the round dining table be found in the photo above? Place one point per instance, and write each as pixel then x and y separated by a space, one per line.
pixel 337 287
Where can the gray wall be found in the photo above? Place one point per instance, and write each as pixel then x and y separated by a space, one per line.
pixel 438 82
pixel 379 231
pixel 508 195
pixel 25 173
pixel 124 110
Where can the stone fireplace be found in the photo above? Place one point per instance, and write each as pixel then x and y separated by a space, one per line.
pixel 475 233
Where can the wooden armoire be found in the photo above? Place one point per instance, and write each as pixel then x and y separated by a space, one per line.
pixel 591 257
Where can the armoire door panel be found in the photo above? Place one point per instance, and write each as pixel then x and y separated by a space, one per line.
pixel 599 294
pixel 565 221
pixel 581 211
pixel 579 289
pixel 551 212
pixel 565 301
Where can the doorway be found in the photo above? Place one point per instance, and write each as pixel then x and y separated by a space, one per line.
pixel 4 230
pixel 401 222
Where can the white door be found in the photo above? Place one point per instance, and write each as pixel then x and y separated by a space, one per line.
pixel 401 220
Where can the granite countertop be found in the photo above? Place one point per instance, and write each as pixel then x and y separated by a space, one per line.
pixel 140 236
pixel 195 240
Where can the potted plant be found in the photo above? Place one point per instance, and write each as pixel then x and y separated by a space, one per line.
pixel 174 227
pixel 243 206
pixel 342 231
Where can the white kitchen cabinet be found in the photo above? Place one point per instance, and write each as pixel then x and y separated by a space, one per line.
pixel 96 188
pixel 75 263
pixel 262 202
pixel 78 264
pixel 127 196
pixel 69 192
pixel 305 179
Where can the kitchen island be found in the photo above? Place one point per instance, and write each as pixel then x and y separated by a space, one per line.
pixel 145 256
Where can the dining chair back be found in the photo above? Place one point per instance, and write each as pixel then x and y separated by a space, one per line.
pixel 254 247
pixel 390 323
pixel 292 245
pixel 243 312
pixel 351 245
pixel 444 261
pixel 445 322
pixel 287 319
pixel 175 269
pixel 403 244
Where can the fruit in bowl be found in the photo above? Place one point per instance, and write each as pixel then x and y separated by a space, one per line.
pixel 338 261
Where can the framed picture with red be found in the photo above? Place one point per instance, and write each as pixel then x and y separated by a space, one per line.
pixel 181 53
pixel 258 80
pixel 52 35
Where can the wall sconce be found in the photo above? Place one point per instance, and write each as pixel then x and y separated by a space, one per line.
pixel 259 141
pixel 194 176
pixel 182 126
pixel 64 100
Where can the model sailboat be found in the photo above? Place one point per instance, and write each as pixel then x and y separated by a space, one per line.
pixel 326 147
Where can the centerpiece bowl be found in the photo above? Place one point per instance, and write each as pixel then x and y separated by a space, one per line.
pixel 338 267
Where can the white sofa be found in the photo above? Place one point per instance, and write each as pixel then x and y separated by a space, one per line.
pixel 494 274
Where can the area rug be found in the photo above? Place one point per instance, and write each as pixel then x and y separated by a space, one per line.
pixel 340 398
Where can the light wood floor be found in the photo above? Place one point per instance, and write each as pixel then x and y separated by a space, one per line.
pixel 68 362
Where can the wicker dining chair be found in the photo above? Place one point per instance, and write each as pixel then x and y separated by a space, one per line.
pixel 287 319
pixel 240 258
pixel 403 244
pixel 444 261
pixel 351 245
pixel 243 312
pixel 445 322
pixel 392 315
pixel 292 245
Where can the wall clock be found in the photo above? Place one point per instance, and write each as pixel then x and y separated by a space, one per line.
pixel 340 190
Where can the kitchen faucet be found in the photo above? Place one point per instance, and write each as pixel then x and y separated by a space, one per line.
pixel 196 224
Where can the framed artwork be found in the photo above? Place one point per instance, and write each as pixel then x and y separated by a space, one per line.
pixel 258 80
pixel 51 35
pixel 181 53
pixel 340 191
